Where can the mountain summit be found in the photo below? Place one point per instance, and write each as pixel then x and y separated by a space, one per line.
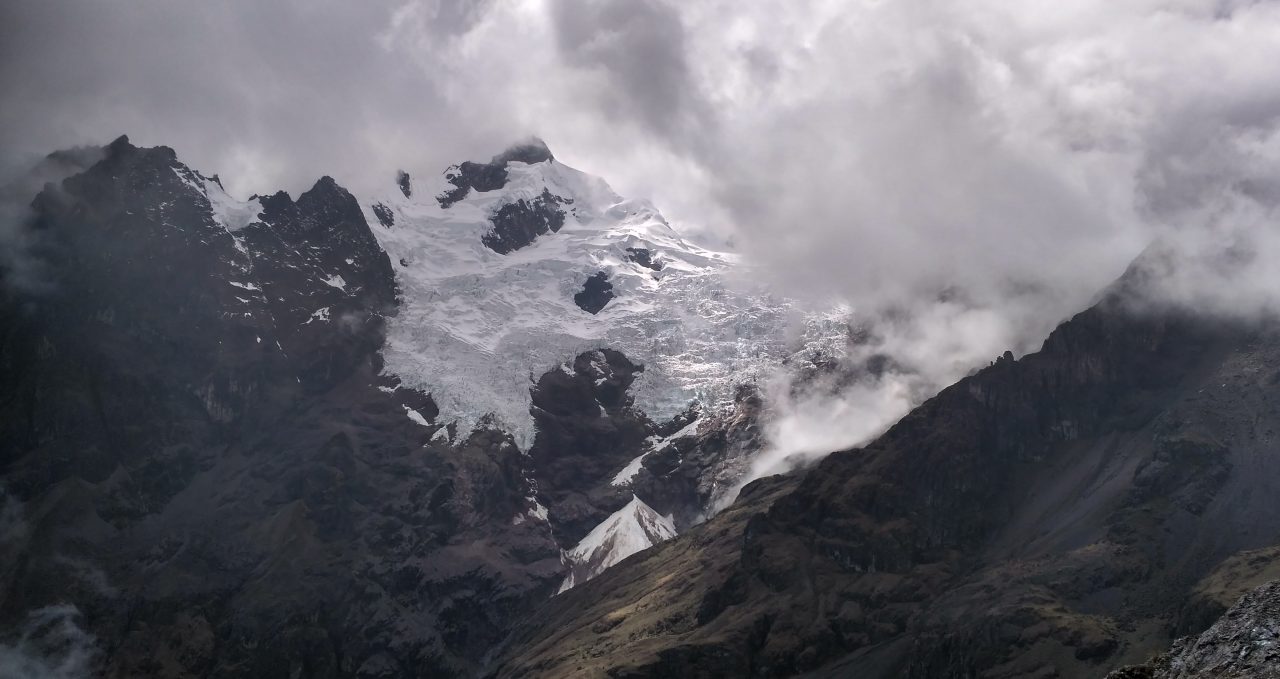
pixel 510 268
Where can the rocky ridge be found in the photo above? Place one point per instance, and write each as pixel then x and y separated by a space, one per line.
pixel 1243 644
pixel 1047 516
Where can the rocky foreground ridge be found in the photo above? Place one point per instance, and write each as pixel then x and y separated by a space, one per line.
pixel 1243 644
pixel 1058 515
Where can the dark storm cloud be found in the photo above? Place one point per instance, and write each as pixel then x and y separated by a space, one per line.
pixel 640 45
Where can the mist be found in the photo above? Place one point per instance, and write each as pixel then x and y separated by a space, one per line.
pixel 964 176
pixel 23 266
pixel 49 645
pixel 865 150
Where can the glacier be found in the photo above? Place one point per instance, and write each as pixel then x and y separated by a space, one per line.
pixel 475 328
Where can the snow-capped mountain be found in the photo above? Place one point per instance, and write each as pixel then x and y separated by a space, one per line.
pixel 210 437
pixel 437 406
pixel 522 265
pixel 510 268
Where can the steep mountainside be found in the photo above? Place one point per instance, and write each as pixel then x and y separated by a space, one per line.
pixel 509 268
pixel 201 451
pixel 201 446
pixel 332 436
pixel 1056 515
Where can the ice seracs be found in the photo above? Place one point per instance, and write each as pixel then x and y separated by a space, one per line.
pixel 476 325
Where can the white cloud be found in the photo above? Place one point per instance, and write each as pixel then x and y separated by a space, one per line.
pixel 881 152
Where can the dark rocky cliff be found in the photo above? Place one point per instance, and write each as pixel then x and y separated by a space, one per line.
pixel 1243 644
pixel 1048 516
pixel 200 452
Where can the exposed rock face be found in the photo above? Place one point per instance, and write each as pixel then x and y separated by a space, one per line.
pixel 472 176
pixel 686 474
pixel 1021 523
pixel 517 225
pixel 199 449
pixel 199 452
pixel 597 291
pixel 587 430
pixel 1243 644
pixel 384 215
pixel 644 257
pixel 405 184
pixel 490 176
pixel 605 469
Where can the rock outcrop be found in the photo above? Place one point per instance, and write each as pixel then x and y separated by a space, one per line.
pixel 644 257
pixel 517 225
pixel 596 293
pixel 491 176
pixel 1243 644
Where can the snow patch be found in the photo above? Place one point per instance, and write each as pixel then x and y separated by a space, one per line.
pixel 233 215
pixel 631 529
pixel 537 512
pixel 629 472
pixel 416 416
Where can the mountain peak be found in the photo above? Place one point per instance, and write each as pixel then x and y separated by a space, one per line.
pixel 120 143
pixel 532 150
pixel 326 183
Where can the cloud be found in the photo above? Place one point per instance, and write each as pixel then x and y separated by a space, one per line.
pixel 268 94
pixel 965 175
pixel 637 49
pixel 22 264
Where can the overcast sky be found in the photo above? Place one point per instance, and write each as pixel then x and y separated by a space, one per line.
pixel 1016 154
pixel 858 148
